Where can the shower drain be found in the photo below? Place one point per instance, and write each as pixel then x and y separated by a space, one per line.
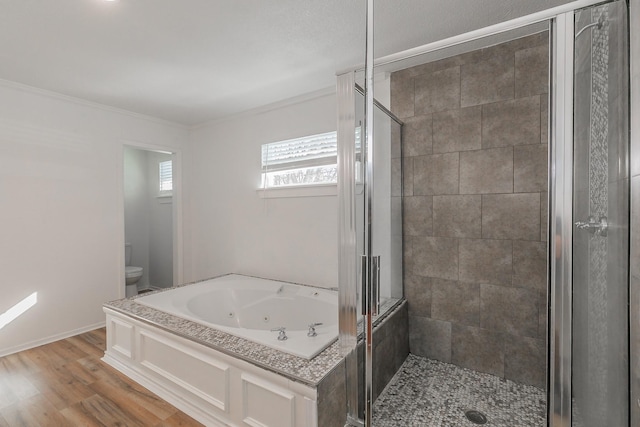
pixel 476 417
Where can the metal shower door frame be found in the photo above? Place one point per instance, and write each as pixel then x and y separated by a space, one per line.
pixel 634 255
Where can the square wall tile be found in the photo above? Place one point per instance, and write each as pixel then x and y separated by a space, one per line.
pixel 457 130
pixel 530 265
pixel 417 216
pixel 396 177
pixel 457 216
pixel 436 257
pixel 525 360
pixel 544 216
pixel 543 315
pixel 486 261
pixel 512 122
pixel 454 301
pixel 478 349
pixel 332 397
pixel 400 333
pixel 530 168
pixel 407 256
pixel 417 136
pixel 511 310
pixel 437 91
pixel 487 81
pixel 436 174
pixel 510 47
pixel 383 363
pixel 441 64
pixel 418 294
pixel 396 141
pixel 402 95
pixel 430 338
pixel 511 216
pixel 544 119
pixel 396 221
pixel 486 171
pixel 532 71
pixel 407 176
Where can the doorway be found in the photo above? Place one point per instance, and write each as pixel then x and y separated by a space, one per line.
pixel 148 219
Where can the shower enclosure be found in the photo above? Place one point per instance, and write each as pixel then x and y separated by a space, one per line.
pixel 579 289
pixel 371 242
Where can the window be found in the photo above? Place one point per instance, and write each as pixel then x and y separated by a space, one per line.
pixel 166 178
pixel 310 160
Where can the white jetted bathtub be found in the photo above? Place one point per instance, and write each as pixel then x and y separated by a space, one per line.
pixel 203 348
pixel 256 309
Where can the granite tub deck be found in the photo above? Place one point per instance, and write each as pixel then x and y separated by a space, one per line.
pixel 307 389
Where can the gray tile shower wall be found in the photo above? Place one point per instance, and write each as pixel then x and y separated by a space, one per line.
pixel 475 207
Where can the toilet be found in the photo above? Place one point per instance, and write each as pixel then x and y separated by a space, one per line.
pixel 132 274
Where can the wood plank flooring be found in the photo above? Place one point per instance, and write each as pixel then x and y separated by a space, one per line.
pixel 66 384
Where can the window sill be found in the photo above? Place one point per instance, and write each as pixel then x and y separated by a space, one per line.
pixel 298 191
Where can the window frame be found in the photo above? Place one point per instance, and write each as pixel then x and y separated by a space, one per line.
pixel 298 161
pixel 162 179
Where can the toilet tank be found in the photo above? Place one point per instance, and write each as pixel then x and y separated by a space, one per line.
pixel 127 254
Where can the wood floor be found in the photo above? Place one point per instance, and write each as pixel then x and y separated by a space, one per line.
pixel 66 384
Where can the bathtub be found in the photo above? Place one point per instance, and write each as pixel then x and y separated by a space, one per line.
pixel 254 309
pixel 222 379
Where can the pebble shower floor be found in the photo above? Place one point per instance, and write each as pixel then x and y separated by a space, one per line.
pixel 428 393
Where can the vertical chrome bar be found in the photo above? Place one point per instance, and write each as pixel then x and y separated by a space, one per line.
pixel 561 220
pixel 375 285
pixel 634 285
pixel 347 229
pixel 364 269
pixel 369 187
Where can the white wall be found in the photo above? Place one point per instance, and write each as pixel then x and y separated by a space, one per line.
pixel 61 232
pixel 61 186
pixel 291 239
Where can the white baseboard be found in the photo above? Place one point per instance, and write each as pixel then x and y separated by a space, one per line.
pixel 50 339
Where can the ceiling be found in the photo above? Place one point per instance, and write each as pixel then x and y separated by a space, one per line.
pixel 192 61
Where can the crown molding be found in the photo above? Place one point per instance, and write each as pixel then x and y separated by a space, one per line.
pixel 321 93
pixel 83 102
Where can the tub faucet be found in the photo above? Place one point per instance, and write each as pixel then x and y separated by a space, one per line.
pixel 312 329
pixel 282 335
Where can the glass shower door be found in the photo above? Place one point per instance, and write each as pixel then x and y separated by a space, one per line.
pixel 379 219
pixel 370 275
pixel 601 218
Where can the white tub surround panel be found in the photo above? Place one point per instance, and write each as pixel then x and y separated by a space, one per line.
pixel 213 387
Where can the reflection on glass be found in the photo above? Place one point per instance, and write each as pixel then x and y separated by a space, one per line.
pixel 600 321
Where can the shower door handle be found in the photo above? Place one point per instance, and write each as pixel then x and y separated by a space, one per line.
pixel 364 268
pixel 370 291
pixel 599 228
pixel 375 285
